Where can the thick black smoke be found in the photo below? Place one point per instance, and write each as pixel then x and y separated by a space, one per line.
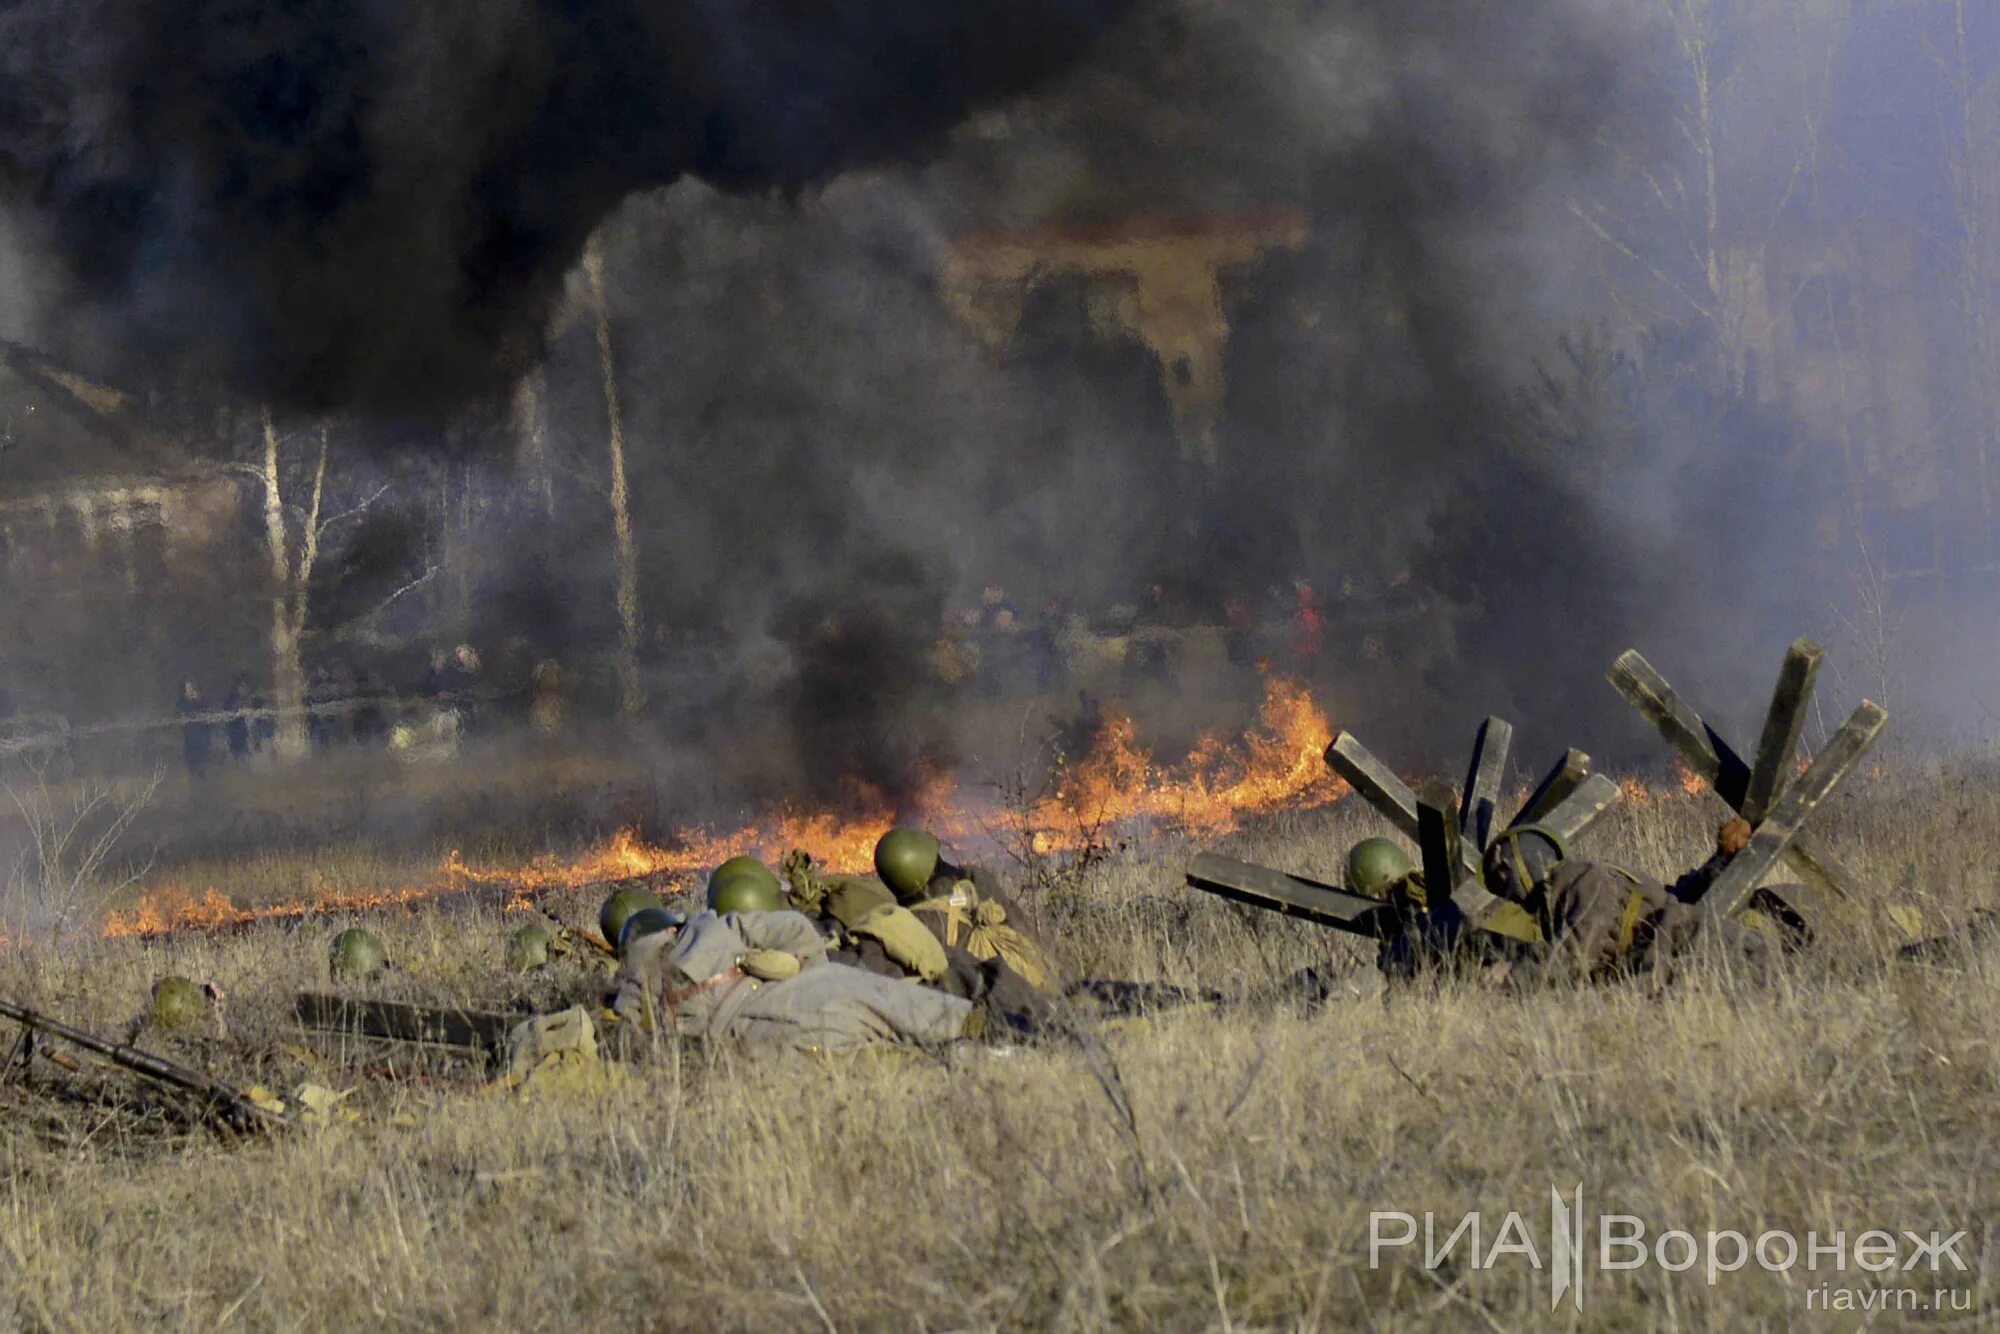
pixel 1373 439
pixel 1426 420
pixel 367 204
pixel 867 715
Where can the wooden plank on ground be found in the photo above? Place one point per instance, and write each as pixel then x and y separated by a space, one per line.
pixel 395 1022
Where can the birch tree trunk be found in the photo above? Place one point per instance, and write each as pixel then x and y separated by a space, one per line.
pixel 630 697
pixel 1971 187
pixel 290 578
pixel 531 430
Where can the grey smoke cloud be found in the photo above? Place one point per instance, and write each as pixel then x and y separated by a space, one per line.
pixel 1372 429
pixel 823 454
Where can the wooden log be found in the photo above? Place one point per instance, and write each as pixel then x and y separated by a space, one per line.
pixel 1573 816
pixel 1448 862
pixel 1482 780
pixel 1554 789
pixel 1438 837
pixel 1683 728
pixel 1783 722
pixel 1291 895
pixel 1809 857
pixel 1378 786
pixel 394 1022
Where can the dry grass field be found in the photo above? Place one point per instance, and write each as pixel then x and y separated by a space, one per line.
pixel 999 1189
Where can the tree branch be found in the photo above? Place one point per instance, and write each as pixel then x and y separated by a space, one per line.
pixel 412 586
pixel 353 511
pixel 309 545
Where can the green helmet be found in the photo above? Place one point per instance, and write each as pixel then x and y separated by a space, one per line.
pixel 906 859
pixel 177 1003
pixel 356 954
pixel 528 948
pixel 1375 864
pixel 744 884
pixel 646 922
pixel 1521 858
pixel 621 905
pixel 740 864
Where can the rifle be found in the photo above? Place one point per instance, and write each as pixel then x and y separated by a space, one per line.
pixel 236 1107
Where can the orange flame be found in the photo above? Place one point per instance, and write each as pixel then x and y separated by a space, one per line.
pixel 1640 792
pixel 1276 766
pixel 171 908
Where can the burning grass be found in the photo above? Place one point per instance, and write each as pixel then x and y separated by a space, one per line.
pixel 1116 785
pixel 990 1191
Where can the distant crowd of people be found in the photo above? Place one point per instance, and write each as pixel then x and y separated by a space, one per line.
pixel 991 649
pixel 998 650
pixel 242 719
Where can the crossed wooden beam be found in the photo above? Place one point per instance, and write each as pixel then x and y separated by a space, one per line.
pixel 1571 798
pixel 1452 838
pixel 1758 791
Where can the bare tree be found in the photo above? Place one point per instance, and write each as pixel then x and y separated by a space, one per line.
pixel 531 430
pixel 294 529
pixel 1870 630
pixel 1969 134
pixel 1749 78
pixel 293 549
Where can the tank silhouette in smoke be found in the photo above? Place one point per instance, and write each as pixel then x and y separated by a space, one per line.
pixel 362 204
